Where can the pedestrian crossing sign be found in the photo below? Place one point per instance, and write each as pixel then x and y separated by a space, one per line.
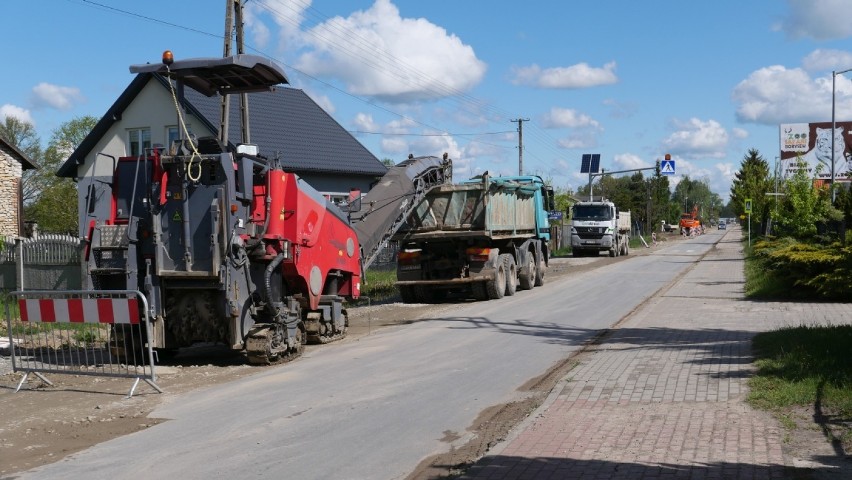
pixel 667 167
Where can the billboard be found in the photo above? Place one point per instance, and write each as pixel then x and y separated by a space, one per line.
pixel 808 145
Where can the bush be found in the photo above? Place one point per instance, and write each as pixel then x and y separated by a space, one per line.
pixel 802 270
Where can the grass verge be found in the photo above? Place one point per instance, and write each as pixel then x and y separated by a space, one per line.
pixel 378 286
pixel 807 368
pixel 804 374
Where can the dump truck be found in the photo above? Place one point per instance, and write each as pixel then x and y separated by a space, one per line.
pixel 485 238
pixel 599 226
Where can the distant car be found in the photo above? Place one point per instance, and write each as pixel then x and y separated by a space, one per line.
pixel 722 226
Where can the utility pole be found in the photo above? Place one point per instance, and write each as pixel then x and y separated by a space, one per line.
pixel 233 18
pixel 244 106
pixel 520 122
pixel 225 106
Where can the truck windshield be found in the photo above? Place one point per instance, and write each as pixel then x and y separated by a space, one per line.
pixel 592 212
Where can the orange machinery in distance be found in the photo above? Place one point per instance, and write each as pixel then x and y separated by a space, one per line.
pixel 689 223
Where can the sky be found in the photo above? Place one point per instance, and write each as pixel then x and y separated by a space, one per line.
pixel 630 80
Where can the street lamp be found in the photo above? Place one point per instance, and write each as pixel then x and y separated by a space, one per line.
pixel 834 75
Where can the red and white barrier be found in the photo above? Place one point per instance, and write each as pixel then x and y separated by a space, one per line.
pixel 80 310
pixel 98 333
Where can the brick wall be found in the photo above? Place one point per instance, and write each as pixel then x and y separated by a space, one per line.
pixel 10 180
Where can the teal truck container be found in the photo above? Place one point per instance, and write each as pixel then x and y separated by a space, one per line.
pixel 484 238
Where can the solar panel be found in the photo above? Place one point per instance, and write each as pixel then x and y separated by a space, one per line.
pixel 590 163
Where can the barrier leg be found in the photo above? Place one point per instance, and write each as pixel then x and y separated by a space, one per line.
pixel 148 381
pixel 24 379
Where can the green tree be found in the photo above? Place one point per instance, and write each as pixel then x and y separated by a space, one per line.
pixel 752 181
pixel 55 206
pixel 563 199
pixel 803 206
pixel 23 135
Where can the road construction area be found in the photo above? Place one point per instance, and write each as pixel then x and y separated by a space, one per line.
pixel 654 393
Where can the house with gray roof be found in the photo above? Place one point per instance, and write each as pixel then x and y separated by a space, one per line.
pixel 13 162
pixel 285 124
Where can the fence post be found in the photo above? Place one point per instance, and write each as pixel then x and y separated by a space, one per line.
pixel 19 263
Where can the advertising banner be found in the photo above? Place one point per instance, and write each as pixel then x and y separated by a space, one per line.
pixel 808 145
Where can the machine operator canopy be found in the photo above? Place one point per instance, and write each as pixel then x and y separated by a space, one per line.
pixel 209 76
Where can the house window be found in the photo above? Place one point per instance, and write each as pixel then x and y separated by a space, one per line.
pixel 138 139
pixel 172 134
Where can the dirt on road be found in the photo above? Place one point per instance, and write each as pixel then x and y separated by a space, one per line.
pixel 42 424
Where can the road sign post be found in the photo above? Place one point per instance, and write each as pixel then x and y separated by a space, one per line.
pixel 748 211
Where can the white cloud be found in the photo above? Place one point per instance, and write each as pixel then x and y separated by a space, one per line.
pixel 739 132
pixel 379 54
pixel 818 19
pixel 697 138
pixel 22 114
pixel 46 95
pixel 395 147
pixel 401 125
pixel 577 140
pixel 775 94
pixel 567 118
pixel 628 161
pixel 364 122
pixel 436 145
pixel 287 15
pixel 827 60
pixel 580 75
pixel 621 109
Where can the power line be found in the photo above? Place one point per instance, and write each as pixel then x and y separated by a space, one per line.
pixel 448 134
pixel 379 59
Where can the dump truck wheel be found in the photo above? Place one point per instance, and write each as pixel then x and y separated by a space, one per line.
pixel 527 275
pixel 540 271
pixel 479 291
pixel 496 286
pixel 511 269
pixel 424 294
pixel 406 293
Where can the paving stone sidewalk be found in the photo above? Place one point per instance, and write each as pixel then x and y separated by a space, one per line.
pixel 663 395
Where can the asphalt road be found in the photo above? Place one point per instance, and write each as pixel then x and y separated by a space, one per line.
pixel 372 409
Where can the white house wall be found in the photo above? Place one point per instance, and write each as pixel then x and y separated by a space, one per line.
pixel 152 108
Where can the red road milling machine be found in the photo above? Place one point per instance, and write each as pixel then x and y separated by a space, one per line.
pixel 225 244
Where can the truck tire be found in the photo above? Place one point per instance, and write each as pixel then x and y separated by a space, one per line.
pixel 613 252
pixel 424 294
pixel 540 270
pixel 511 269
pixel 496 285
pixel 527 273
pixel 479 291
pixel 406 293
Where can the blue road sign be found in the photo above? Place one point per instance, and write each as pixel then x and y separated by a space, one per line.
pixel 667 167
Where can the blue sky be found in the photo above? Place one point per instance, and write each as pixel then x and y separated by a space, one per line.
pixel 632 81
